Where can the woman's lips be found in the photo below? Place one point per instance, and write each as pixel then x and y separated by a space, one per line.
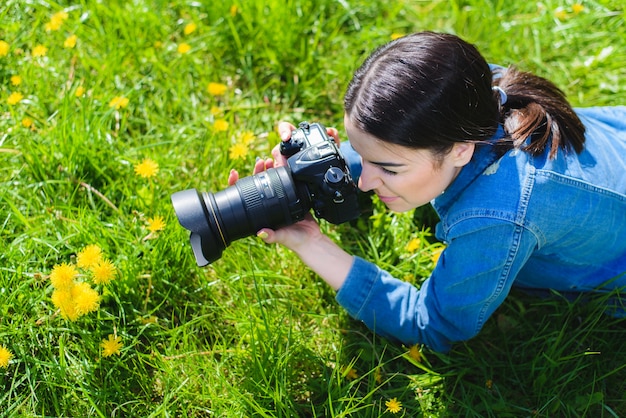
pixel 387 199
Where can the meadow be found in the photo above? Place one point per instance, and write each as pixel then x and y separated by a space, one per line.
pixel 109 107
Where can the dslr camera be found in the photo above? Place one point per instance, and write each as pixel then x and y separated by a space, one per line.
pixel 316 178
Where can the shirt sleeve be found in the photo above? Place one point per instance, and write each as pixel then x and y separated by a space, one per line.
pixel 472 277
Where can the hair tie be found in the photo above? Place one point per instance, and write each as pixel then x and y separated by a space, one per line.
pixel 503 96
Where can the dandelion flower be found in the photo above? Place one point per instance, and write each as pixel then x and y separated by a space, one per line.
pixel 56 21
pixel 215 110
pixel 220 125
pixel 246 137
pixel 238 151
pixel 5 356
pixel 183 48
pixel 217 89
pixel 577 8
pixel 118 102
pixel 560 14
pixel 64 302
pixel 27 123
pixel 111 345
pixel 63 275
pixel 39 51
pixel 4 48
pixel 89 256
pixel 147 168
pixel 70 42
pixel 413 245
pixel 103 272
pixel 85 298
pixel 234 10
pixel 15 98
pixel 393 405
pixel 80 91
pixel 415 353
pixel 436 255
pixel 190 28
pixel 156 224
pixel 16 80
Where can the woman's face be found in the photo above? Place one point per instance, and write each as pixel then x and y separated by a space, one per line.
pixel 404 178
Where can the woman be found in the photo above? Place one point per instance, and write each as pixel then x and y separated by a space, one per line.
pixel 530 192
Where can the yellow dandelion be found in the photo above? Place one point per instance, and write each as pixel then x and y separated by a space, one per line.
pixel 393 405
pixel 190 28
pixel 62 276
pixel 4 48
pixel 156 224
pixel 118 102
pixel 415 353
pixel 103 272
pixel 64 301
pixel 5 356
pixel 577 8
pixel 147 168
pixel 16 80
pixel 112 345
pixel 238 151
pixel 246 137
pixel 234 10
pixel 220 125
pixel 217 89
pixel 215 110
pixel 560 14
pixel 489 384
pixel 413 245
pixel 70 42
pixel 396 35
pixel 183 48
pixel 80 91
pixel 39 51
pixel 56 21
pixel 14 98
pixel 89 256
pixel 436 255
pixel 27 123
pixel 85 298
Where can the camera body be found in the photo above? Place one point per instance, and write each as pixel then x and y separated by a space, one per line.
pixel 316 178
pixel 317 166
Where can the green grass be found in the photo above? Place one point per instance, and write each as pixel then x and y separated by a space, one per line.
pixel 256 333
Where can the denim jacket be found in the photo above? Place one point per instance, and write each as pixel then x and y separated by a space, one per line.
pixel 509 220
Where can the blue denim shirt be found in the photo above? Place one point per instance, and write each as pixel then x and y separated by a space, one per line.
pixel 511 220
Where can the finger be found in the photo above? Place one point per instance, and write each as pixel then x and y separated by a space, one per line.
pixel 269 163
pixel 259 165
pixel 267 235
pixel 285 129
pixel 233 176
pixel 334 134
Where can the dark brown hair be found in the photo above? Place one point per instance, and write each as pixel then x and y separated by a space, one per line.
pixel 431 90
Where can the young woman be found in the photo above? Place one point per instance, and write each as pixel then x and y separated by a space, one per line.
pixel 530 192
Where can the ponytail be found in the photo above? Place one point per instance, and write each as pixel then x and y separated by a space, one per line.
pixel 536 108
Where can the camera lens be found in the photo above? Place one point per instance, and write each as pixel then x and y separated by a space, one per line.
pixel 267 199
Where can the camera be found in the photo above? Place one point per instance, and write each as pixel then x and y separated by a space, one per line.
pixel 316 178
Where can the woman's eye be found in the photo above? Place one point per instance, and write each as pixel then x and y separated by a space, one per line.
pixel 386 171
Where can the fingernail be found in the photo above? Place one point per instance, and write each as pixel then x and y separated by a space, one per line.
pixel 258 158
pixel 262 234
pixel 284 135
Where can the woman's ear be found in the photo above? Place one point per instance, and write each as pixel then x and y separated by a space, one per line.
pixel 462 153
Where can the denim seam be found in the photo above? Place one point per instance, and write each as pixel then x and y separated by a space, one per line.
pixel 515 243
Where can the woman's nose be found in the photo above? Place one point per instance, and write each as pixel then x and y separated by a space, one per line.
pixel 368 179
